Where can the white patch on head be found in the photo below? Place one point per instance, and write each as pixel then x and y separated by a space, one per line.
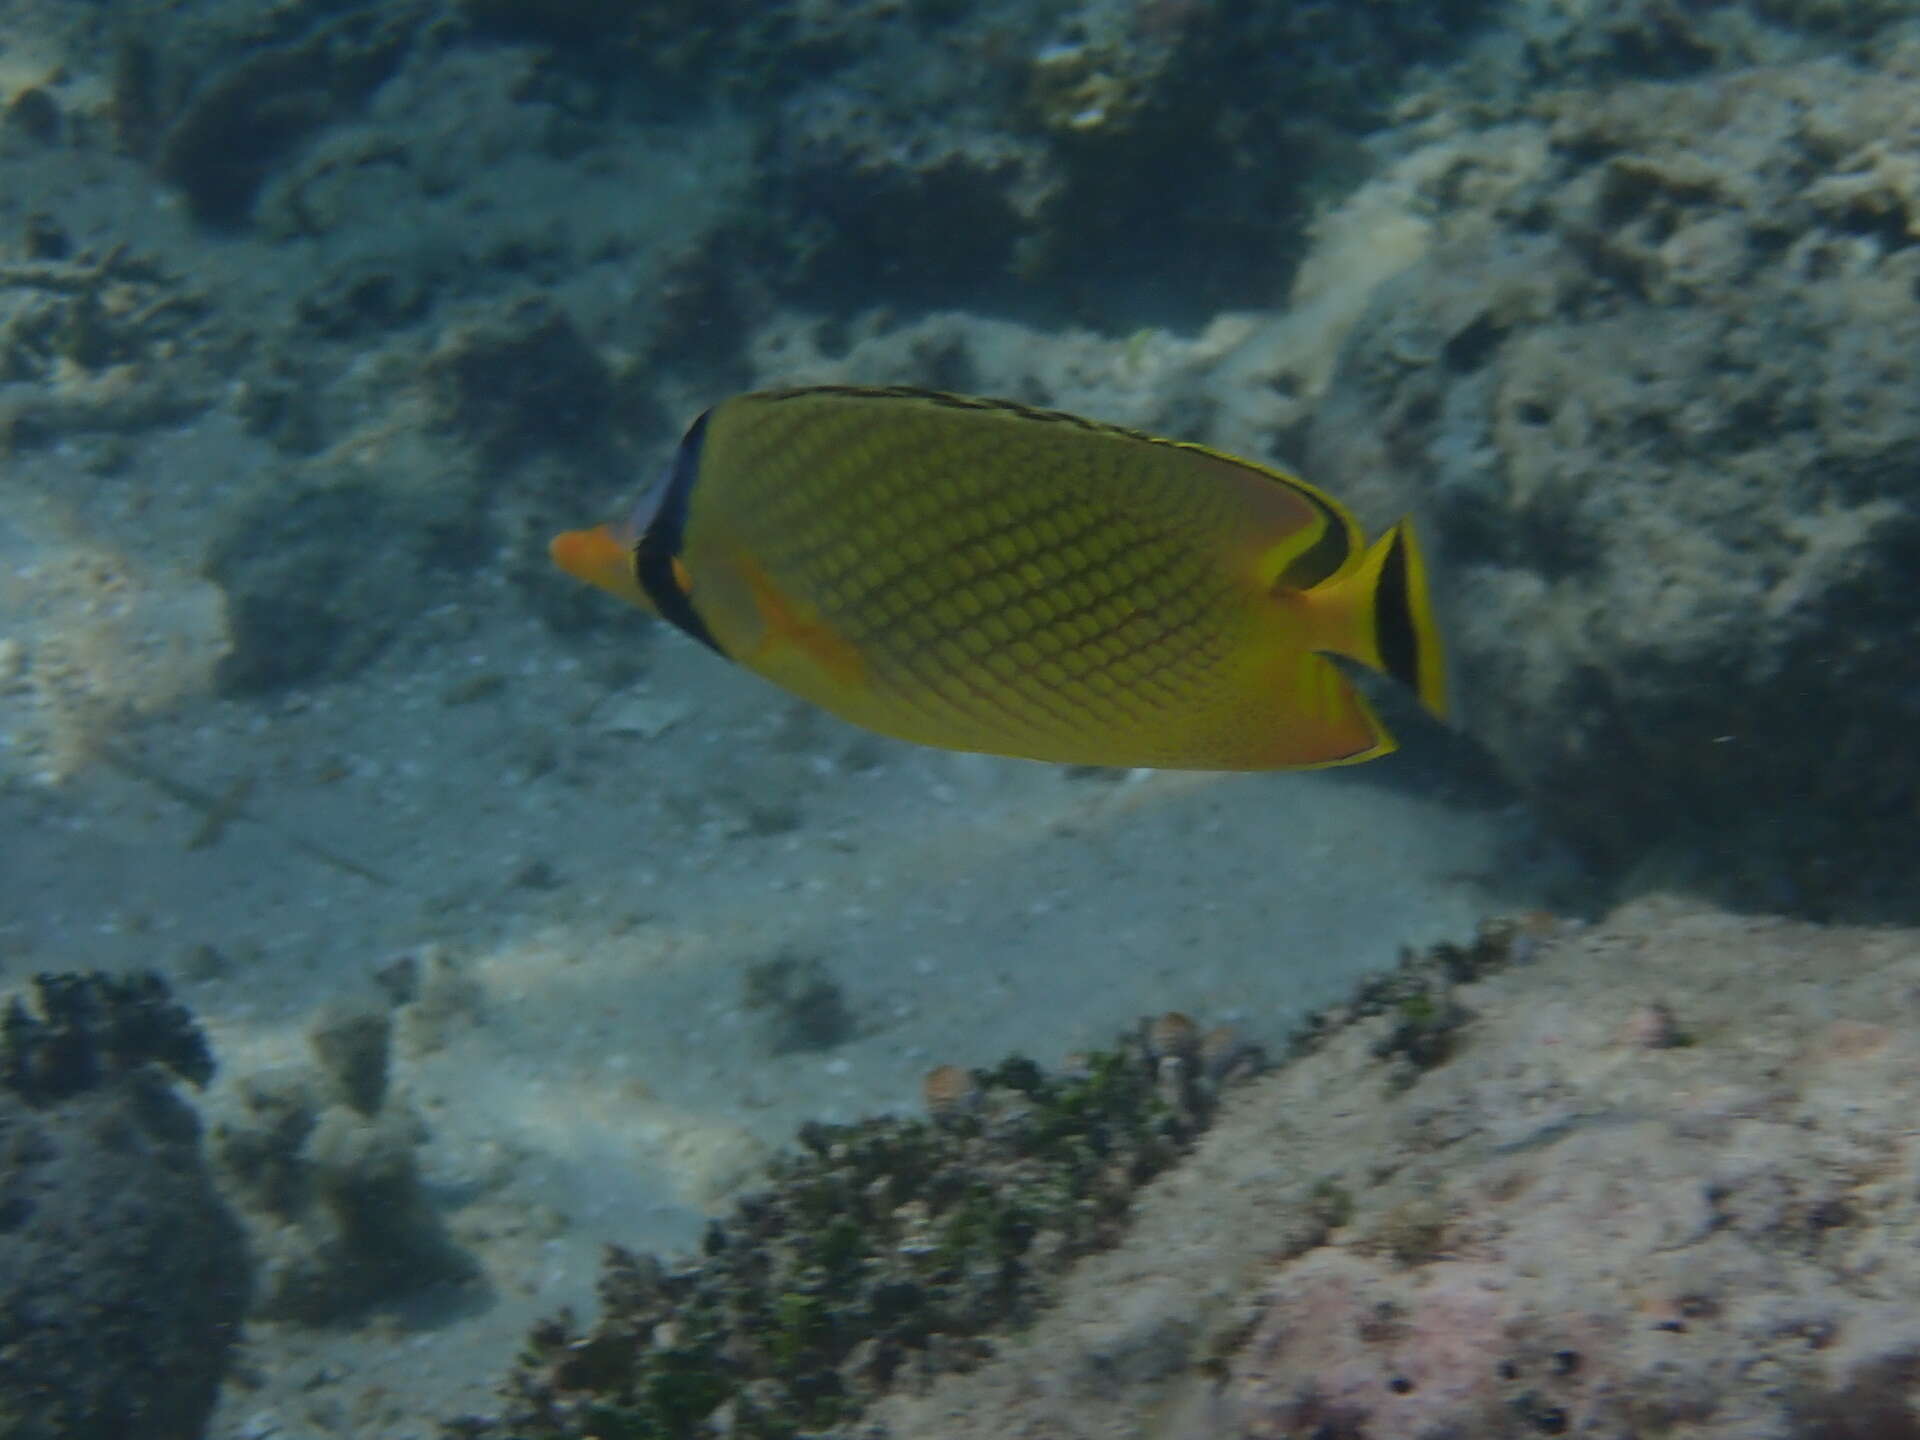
pixel 639 518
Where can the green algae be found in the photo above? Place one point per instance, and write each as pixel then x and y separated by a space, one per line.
pixel 877 1252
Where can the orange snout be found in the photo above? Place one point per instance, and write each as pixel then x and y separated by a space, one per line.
pixel 598 557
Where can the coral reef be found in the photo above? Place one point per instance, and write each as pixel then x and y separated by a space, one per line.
pixel 1652 385
pixel 1630 1200
pixel 1029 137
pixel 521 381
pixel 122 1274
pixel 646 58
pixel 217 110
pixel 84 341
pixel 1650 371
pixel 879 1254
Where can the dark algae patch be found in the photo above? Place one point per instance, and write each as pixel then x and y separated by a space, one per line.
pixel 1429 1021
pixel 123 1276
pixel 802 1007
pixel 83 1030
pixel 878 1254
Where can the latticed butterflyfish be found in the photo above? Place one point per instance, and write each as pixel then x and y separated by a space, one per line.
pixel 981 575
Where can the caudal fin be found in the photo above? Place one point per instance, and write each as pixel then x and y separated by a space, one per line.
pixel 1381 614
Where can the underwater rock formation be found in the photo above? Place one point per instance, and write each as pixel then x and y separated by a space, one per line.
pixel 123 1276
pixel 1635 1200
pixel 325 1165
pixel 520 381
pixel 319 576
pixel 89 342
pixel 1655 387
pixel 218 102
pixel 979 145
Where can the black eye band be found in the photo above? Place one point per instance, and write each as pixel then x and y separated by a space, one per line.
pixel 653 555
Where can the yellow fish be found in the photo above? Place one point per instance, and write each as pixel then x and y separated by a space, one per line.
pixel 980 575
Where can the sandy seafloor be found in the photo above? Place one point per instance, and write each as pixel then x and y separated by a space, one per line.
pixel 595 1077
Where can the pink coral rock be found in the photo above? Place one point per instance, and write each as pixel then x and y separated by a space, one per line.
pixel 1547 1232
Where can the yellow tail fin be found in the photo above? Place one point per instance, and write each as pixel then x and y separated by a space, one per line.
pixel 1380 614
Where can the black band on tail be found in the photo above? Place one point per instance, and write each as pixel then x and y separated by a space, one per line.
pixel 1393 625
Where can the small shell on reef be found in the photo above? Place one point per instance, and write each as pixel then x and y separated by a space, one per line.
pixel 949 1090
pixel 1172 1034
pixel 1650 1027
